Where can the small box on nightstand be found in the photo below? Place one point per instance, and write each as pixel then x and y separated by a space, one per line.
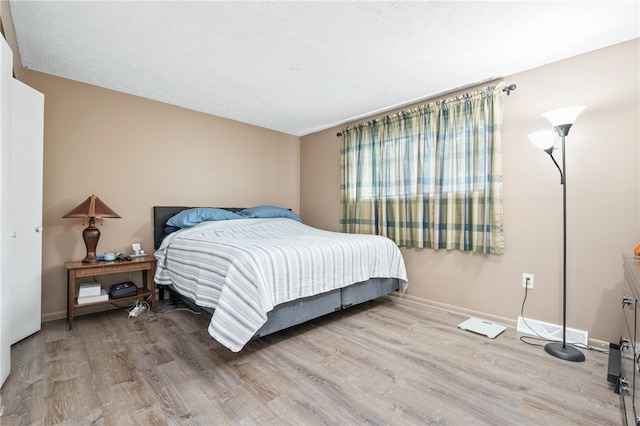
pixel 91 289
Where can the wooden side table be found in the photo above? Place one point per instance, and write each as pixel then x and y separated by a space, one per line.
pixel 78 270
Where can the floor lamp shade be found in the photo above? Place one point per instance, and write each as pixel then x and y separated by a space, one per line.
pixel 564 115
pixel 562 118
pixel 91 208
pixel 543 139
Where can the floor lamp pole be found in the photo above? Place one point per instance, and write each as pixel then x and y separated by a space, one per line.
pixel 557 349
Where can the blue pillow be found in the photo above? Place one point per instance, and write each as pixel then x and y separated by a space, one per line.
pixel 269 212
pixel 167 230
pixel 191 217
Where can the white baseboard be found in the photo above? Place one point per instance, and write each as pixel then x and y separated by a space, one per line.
pixel 457 309
pixel 52 316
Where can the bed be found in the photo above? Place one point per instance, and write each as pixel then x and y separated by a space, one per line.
pixel 258 274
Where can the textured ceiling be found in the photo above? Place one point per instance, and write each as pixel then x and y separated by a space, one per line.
pixel 301 67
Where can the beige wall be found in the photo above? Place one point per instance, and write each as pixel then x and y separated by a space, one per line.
pixel 602 206
pixel 135 153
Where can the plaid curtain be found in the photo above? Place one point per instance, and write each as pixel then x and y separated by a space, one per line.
pixel 428 177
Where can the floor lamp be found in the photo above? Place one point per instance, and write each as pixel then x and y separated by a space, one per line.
pixel 561 119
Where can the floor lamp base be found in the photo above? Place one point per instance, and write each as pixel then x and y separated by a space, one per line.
pixel 565 352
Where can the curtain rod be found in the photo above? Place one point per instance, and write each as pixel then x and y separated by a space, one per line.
pixel 508 89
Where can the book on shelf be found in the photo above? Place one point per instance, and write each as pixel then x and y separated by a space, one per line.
pixel 90 289
pixel 102 297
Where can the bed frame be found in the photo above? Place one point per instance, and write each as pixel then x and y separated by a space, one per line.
pixel 296 311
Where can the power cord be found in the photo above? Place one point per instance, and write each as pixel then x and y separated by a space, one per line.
pixel 132 278
pixel 178 306
pixel 524 300
pixel 142 306
pixel 539 338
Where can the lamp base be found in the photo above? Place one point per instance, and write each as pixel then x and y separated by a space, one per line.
pixel 90 258
pixel 91 235
pixel 564 351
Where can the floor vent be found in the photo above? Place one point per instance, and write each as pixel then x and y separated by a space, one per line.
pixel 551 331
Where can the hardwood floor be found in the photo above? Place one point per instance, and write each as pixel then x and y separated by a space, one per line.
pixel 386 362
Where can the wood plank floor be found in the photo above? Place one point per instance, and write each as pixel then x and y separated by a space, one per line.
pixel 386 362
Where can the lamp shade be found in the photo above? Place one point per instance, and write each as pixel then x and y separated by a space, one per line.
pixel 543 139
pixel 564 115
pixel 92 207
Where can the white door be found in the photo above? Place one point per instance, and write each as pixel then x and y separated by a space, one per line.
pixel 6 70
pixel 27 124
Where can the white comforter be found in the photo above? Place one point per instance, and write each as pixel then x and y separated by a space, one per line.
pixel 243 268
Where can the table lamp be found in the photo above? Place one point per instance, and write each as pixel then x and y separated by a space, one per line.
pixel 92 208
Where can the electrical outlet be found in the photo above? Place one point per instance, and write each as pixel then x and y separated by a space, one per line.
pixel 527 281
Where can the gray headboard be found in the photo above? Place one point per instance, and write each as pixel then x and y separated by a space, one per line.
pixel 163 213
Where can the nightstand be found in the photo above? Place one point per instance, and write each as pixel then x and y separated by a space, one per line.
pixel 78 270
